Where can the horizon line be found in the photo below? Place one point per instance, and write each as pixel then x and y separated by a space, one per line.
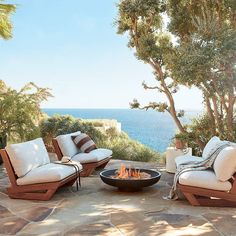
pixel 109 108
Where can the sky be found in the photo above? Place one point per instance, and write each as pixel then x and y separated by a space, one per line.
pixel 71 47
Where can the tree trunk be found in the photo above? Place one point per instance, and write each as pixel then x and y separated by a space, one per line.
pixel 169 96
pixel 3 143
pixel 229 117
pixel 200 144
pixel 218 119
pixel 210 114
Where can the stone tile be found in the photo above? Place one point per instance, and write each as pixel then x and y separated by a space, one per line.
pixel 98 209
pixel 18 205
pixel 42 234
pixel 98 229
pixel 130 223
pixel 226 224
pixel 4 212
pixel 47 227
pixel 177 224
pixel 12 225
pixel 168 230
pixel 178 219
pixel 36 214
pixel 183 207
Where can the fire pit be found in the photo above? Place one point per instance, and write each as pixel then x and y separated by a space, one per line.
pixel 130 179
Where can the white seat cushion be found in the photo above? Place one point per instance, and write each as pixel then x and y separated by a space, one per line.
pixel 185 159
pixel 101 153
pixel 94 156
pixel 66 144
pixel 225 164
pixel 204 179
pixel 47 173
pixel 26 156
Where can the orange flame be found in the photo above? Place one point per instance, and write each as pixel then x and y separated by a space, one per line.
pixel 124 173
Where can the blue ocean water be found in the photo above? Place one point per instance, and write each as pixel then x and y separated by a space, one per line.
pixel 148 127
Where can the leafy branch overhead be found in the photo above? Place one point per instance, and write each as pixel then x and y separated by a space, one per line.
pixel 143 21
pixel 5 24
pixel 203 55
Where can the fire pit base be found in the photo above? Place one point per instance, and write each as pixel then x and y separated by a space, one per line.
pixel 130 184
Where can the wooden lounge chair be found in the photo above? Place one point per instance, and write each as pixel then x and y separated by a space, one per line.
pixel 30 176
pixel 212 187
pixel 96 159
pixel 209 197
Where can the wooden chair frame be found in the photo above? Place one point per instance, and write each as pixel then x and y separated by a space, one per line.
pixel 208 197
pixel 88 168
pixel 40 191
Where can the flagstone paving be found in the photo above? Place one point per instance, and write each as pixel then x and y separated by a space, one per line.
pixel 98 209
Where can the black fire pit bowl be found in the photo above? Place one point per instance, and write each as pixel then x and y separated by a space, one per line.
pixel 130 184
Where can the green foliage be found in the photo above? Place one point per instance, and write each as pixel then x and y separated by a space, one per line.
pixel 127 149
pixel 143 21
pixel 5 25
pixel 122 146
pixel 206 56
pixel 182 136
pixel 199 130
pixel 203 56
pixel 57 125
pixel 20 111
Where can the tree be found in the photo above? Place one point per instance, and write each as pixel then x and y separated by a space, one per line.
pixel 20 111
pixel 142 20
pixel 5 25
pixel 206 57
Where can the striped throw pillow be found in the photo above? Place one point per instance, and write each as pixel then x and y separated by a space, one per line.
pixel 84 142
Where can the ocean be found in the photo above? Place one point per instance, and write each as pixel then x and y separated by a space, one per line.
pixel 151 128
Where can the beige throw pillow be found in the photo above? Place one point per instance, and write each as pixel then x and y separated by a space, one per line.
pixel 84 142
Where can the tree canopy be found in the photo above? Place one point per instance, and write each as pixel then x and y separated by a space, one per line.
pixel 206 57
pixel 202 54
pixel 20 110
pixel 143 21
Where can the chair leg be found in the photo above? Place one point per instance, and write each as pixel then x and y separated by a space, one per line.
pixel 87 172
pixel 191 198
pixel 69 183
pixel 102 166
pixel 37 195
pixel 216 202
pixel 207 201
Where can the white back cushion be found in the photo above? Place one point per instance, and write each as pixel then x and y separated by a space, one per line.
pixel 211 144
pixel 66 144
pixel 225 164
pixel 28 155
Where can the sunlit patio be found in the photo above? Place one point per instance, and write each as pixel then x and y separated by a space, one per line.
pixel 98 209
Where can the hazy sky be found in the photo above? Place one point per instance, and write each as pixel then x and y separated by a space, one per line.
pixel 71 46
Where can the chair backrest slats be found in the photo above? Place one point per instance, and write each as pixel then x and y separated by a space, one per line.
pixel 57 149
pixel 233 189
pixel 10 171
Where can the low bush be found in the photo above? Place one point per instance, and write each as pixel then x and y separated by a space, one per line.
pixel 120 143
pixel 200 129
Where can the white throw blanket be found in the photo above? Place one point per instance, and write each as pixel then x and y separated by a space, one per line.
pixel 196 166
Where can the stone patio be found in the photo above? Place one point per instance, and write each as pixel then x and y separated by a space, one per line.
pixel 98 209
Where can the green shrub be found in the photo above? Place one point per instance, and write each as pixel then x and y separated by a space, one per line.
pixel 200 129
pixel 119 142
pixel 127 149
pixel 57 125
